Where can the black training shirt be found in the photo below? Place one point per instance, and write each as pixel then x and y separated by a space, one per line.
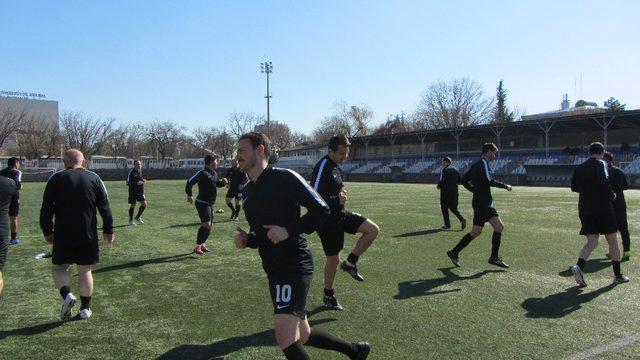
pixel 132 182
pixel 275 199
pixel 479 181
pixel 619 183
pixel 8 189
pixel 591 180
pixel 208 182
pixel 236 178
pixel 16 176
pixel 326 179
pixel 71 196
pixel 449 180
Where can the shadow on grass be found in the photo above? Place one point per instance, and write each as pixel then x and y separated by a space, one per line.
pixel 413 288
pixel 421 232
pixel 195 224
pixel 139 263
pixel 220 349
pixel 592 265
pixel 561 304
pixel 31 330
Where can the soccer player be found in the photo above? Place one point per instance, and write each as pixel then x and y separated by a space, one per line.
pixel 326 179
pixel 208 182
pixel 8 190
pixel 12 171
pixel 72 196
pixel 237 179
pixel 619 184
pixel 448 186
pixel 272 202
pixel 595 210
pixel 479 181
pixel 135 182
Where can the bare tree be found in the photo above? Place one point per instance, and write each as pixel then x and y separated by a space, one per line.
pixel 223 143
pixel 242 122
pixel 458 103
pixel 349 120
pixel 279 134
pixel 38 138
pixel 300 139
pixel 84 132
pixel 202 139
pixel 10 120
pixel 397 123
pixel 164 137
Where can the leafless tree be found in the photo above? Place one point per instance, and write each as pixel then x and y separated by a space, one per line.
pixel 84 132
pixel 349 120
pixel 242 122
pixel 279 134
pixel 164 137
pixel 300 139
pixel 10 120
pixel 38 138
pixel 397 123
pixel 223 144
pixel 458 103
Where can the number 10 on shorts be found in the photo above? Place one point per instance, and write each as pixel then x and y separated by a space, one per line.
pixel 283 293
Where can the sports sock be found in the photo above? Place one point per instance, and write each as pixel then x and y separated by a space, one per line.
pixel 462 244
pixel 14 235
pixel 140 211
pixel 203 234
pixel 85 302
pixel 328 292
pixel 230 205
pixel 626 243
pixel 64 291
pixel 581 262
pixel 495 243
pixel 296 351
pixel 323 340
pixel 616 267
pixel 130 214
pixel 238 208
pixel 352 258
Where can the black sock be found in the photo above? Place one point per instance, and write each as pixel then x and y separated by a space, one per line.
pixel 323 340
pixel 352 258
pixel 230 205
pixel 238 208
pixel 495 243
pixel 462 244
pixel 616 267
pixel 328 292
pixel 203 234
pixel 85 302
pixel 64 291
pixel 140 211
pixel 14 235
pixel 130 214
pixel 581 262
pixel 296 351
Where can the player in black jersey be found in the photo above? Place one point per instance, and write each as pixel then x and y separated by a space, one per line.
pixel 271 202
pixel 595 210
pixel 326 179
pixel 135 182
pixel 12 171
pixel 208 182
pixel 72 196
pixel 448 186
pixel 479 181
pixel 619 184
pixel 8 190
pixel 236 179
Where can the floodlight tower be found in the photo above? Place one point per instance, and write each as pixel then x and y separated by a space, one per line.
pixel 267 68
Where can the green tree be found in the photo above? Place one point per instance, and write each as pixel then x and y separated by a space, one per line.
pixel 614 104
pixel 502 113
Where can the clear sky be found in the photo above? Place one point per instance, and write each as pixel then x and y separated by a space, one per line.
pixel 194 62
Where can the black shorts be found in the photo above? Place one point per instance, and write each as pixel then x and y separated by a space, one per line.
pixel 483 214
pixel 598 223
pixel 332 232
pixel 289 293
pixel 136 197
pixel 621 218
pixel 205 211
pixel 234 193
pixel 4 248
pixel 81 254
pixel 14 206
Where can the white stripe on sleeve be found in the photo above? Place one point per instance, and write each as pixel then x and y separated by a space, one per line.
pixel 486 169
pixel 306 185
pixel 317 182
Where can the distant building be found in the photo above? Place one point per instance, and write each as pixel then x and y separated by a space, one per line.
pixel 33 105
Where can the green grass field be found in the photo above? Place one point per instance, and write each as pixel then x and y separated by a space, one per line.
pixel 154 299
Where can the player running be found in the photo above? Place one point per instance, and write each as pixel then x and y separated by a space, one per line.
pixel 135 182
pixel 237 179
pixel 12 171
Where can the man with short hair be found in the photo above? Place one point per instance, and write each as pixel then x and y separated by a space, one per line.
pixel 326 179
pixel 135 182
pixel 595 210
pixel 208 182
pixel 72 196
pixel 237 179
pixel 619 183
pixel 479 181
pixel 448 185
pixel 12 171
pixel 8 190
pixel 272 201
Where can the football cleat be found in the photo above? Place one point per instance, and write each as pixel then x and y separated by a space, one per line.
pixel 332 303
pixel 363 350
pixel 498 262
pixel 198 250
pixel 626 255
pixel 620 279
pixel 445 227
pixel 67 306
pixel 351 270
pixel 463 224
pixel 454 258
pixel 205 248
pixel 139 219
pixel 14 241
pixel 578 275
pixel 85 314
pixel 132 223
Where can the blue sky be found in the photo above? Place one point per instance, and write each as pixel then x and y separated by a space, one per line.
pixel 194 62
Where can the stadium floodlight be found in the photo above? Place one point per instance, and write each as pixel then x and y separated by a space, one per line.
pixel 267 68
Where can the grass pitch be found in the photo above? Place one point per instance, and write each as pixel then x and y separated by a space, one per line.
pixel 154 299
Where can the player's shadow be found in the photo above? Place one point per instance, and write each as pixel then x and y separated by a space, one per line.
pixel 413 288
pixel 30 330
pixel 139 263
pixel 421 232
pixel 561 304
pixel 591 266
pixel 220 349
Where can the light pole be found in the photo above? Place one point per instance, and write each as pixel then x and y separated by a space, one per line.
pixel 267 68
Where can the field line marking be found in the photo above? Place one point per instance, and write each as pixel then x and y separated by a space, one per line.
pixel 629 340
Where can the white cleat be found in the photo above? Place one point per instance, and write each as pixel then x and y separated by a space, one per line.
pixel 132 223
pixel 140 220
pixel 85 314
pixel 578 275
pixel 67 306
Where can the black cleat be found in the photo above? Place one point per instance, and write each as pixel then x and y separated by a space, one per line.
pixel 351 270
pixel 445 227
pixel 332 303
pixel 498 262
pixel 620 279
pixel 463 224
pixel 363 350
pixel 454 258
